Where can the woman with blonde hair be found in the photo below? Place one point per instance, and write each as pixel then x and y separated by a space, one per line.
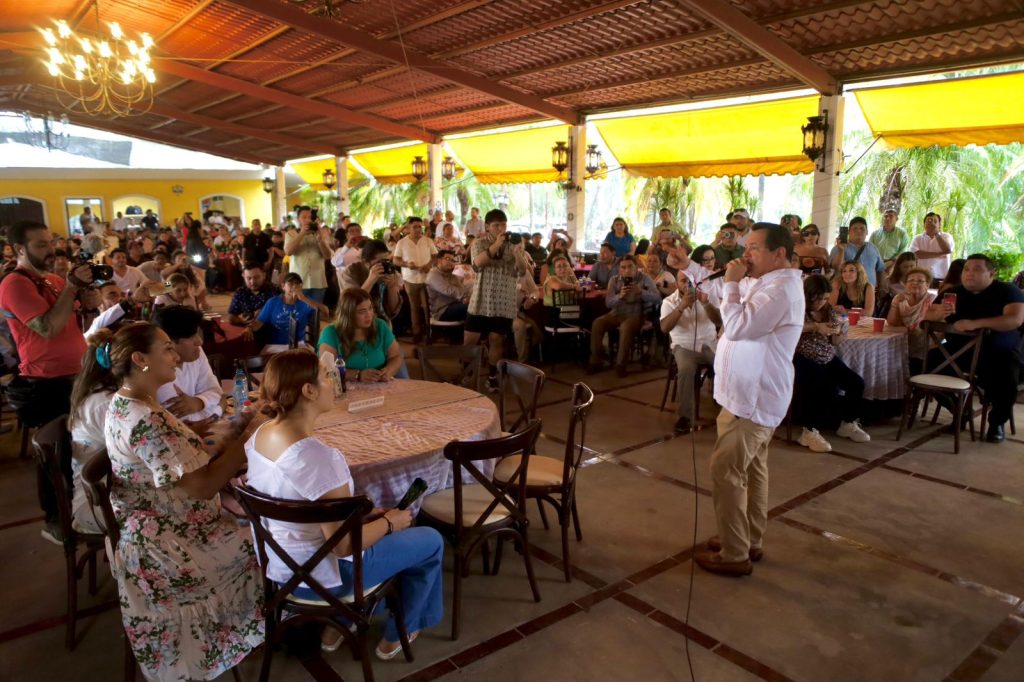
pixel 287 461
pixel 851 289
pixel 189 584
pixel 366 343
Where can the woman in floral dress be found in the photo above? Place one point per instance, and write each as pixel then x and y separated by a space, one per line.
pixel 190 587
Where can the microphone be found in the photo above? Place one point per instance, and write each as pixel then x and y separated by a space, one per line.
pixel 718 274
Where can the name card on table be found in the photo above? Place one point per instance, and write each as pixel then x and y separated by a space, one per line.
pixel 367 404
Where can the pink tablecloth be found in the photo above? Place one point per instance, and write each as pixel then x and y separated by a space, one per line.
pixel 389 446
pixel 880 359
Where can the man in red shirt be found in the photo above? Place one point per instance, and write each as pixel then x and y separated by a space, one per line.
pixel 39 308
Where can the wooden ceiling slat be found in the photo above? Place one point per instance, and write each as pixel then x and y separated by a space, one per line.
pixel 279 97
pixel 142 134
pixel 400 55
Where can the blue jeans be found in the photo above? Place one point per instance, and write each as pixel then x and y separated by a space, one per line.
pixel 415 556
pixel 316 295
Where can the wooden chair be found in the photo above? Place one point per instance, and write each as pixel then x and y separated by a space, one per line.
pixel 520 382
pixel 564 318
pixel 434 322
pixel 468 516
pixel 704 372
pixel 553 481
pixel 97 478
pixel 357 608
pixel 253 367
pixel 467 365
pixel 52 444
pixel 957 385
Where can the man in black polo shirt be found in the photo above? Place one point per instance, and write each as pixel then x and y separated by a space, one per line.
pixel 982 302
pixel 256 246
pixel 247 302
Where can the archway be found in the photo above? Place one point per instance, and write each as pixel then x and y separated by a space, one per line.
pixel 17 208
pixel 228 206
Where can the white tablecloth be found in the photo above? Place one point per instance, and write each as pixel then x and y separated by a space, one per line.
pixel 390 446
pixel 880 359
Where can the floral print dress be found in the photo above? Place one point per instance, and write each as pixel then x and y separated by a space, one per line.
pixel 190 587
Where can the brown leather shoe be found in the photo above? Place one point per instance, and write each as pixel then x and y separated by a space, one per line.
pixel 715 545
pixel 712 563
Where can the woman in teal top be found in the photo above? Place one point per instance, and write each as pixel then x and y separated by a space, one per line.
pixel 368 346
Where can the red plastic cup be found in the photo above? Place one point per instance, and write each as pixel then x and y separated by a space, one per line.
pixel 854 316
pixel 949 299
pixel 879 324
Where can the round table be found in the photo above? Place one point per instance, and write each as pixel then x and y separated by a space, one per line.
pixel 880 359
pixel 389 446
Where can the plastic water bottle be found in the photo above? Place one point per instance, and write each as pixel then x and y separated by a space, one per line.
pixel 241 392
pixel 340 364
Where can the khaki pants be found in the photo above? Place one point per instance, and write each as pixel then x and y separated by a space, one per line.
pixel 628 327
pixel 739 474
pixel 417 300
pixel 526 333
pixel 686 367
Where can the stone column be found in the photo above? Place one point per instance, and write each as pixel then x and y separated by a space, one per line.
pixel 434 179
pixel 824 204
pixel 280 207
pixel 575 199
pixel 341 172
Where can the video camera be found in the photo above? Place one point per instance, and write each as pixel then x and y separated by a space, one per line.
pixel 99 272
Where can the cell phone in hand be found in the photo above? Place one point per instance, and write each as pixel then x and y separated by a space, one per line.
pixel 844 234
pixel 418 487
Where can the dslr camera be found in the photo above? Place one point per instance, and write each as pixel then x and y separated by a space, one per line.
pixel 627 281
pixel 99 272
pixel 387 267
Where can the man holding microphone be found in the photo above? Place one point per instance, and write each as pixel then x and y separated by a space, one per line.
pixel 762 316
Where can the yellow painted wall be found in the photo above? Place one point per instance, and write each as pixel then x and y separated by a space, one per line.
pixel 258 204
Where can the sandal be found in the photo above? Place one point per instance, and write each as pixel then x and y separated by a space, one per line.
pixel 333 646
pixel 387 656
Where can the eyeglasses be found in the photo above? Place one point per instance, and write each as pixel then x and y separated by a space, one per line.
pixel 810 233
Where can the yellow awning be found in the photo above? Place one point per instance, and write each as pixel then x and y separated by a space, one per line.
pixel 392 166
pixel 517 156
pixel 982 110
pixel 312 172
pixel 747 139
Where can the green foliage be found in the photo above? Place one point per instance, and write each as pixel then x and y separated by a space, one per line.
pixel 979 192
pixel 1008 263
pixel 740 196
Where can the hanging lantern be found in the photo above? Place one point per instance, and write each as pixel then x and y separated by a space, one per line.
pixel 593 159
pixel 560 157
pixel 448 168
pixel 268 185
pixel 329 178
pixel 419 168
pixel 814 133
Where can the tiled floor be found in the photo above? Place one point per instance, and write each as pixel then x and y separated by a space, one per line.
pixel 885 561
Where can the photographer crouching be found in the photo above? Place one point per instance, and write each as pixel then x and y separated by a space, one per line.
pixel 39 307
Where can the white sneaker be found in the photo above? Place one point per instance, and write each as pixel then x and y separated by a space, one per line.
pixel 852 431
pixel 810 438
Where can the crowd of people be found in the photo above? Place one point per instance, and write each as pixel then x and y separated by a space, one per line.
pixel 131 302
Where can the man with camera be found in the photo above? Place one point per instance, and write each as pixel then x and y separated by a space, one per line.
pixel 447 293
pixel 415 255
pixel 307 249
pixel 628 292
pixel 499 259
pixel 38 307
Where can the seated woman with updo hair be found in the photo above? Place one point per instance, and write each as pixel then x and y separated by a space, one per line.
pixel 366 343
pixel 190 588
pixel 286 461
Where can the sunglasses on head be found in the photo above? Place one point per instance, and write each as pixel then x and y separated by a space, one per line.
pixel 810 233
